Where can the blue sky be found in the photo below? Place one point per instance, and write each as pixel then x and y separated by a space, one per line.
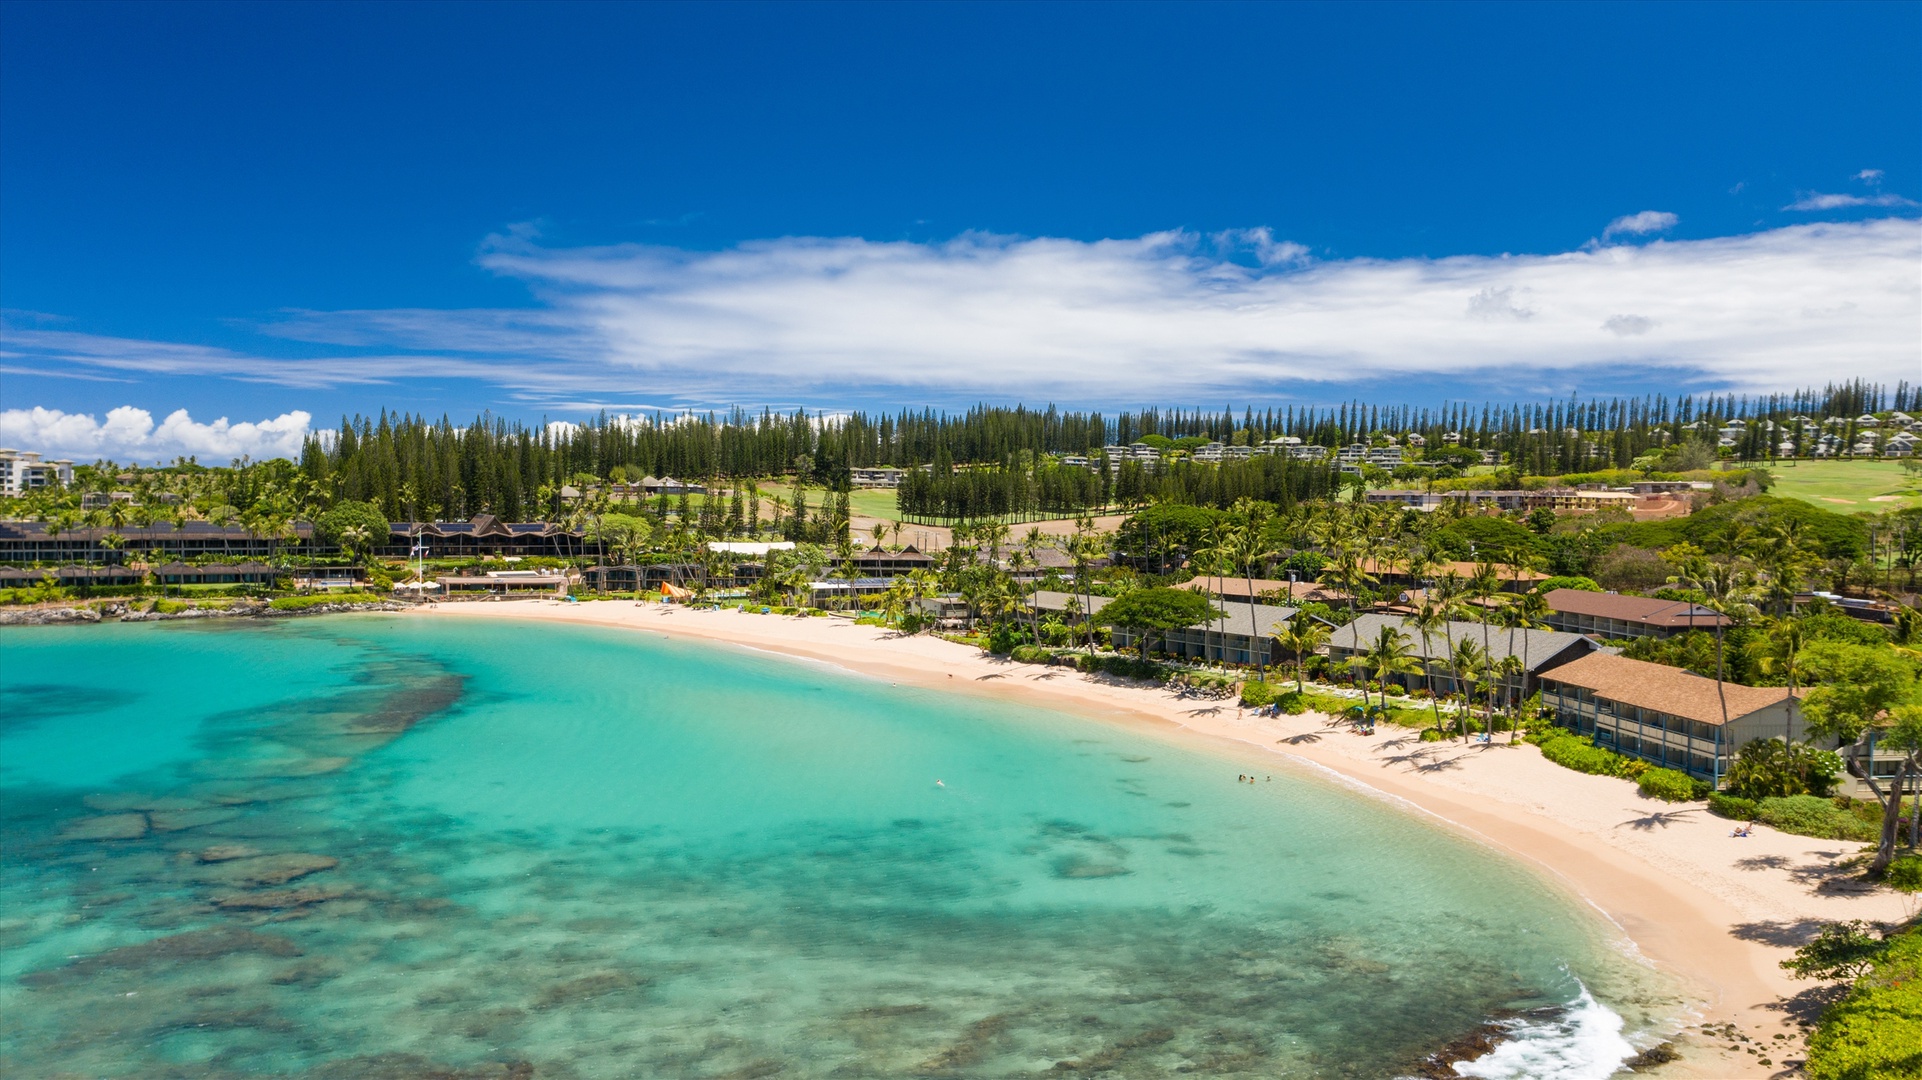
pixel 258 211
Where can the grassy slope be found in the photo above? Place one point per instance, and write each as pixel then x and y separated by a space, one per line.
pixel 1847 486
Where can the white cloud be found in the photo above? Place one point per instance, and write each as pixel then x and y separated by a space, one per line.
pixel 1167 316
pixel 1869 176
pixel 1498 303
pixel 1648 221
pixel 130 435
pixel 1815 200
pixel 43 353
pixel 1261 242
pixel 1154 318
pixel 1628 325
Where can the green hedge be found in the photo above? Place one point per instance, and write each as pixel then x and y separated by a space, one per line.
pixel 1571 751
pixel 1876 1032
pixel 1291 703
pixel 1733 807
pixel 1905 874
pixel 1810 815
pixel 1669 785
pixel 1032 654
pixel 1127 667
pixel 302 603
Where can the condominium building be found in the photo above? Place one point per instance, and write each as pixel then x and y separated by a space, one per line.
pixel 22 471
pixel 1665 715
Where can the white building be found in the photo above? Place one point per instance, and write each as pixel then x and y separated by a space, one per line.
pixel 22 471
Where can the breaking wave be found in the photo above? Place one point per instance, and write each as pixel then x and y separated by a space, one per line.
pixel 1584 1042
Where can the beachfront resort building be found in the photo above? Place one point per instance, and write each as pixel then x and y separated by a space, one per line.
pixel 69 577
pixel 1666 715
pixel 1071 607
pixel 22 471
pixel 1612 615
pixel 1238 636
pixel 1537 651
pixel 1241 590
pixel 880 562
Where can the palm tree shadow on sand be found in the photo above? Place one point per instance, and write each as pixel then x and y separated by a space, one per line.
pixel 1661 819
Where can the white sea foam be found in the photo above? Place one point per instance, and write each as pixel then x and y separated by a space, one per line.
pixel 1584 1043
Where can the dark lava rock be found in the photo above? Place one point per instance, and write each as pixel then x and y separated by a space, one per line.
pixel 592 985
pixel 106 827
pixel 194 946
pixel 224 852
pixel 1080 868
pixel 118 802
pixel 280 899
pixel 416 1067
pixel 47 616
pixel 1440 1065
pixel 265 869
pixel 1653 1056
pixel 180 820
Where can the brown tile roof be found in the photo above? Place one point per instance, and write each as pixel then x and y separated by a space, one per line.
pixel 1663 688
pixel 1465 569
pixel 1299 591
pixel 1635 609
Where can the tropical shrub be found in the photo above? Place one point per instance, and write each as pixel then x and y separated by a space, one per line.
pixel 1003 637
pixel 1574 752
pixel 1569 581
pixel 1769 768
pixel 1433 735
pixel 1808 815
pixel 1031 654
pixel 1733 807
pixel 1213 684
pixel 1875 1033
pixel 170 607
pixel 1127 667
pixel 1256 694
pixel 1904 874
pixel 1291 703
pixel 1669 785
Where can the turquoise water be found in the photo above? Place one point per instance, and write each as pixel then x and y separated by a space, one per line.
pixel 362 846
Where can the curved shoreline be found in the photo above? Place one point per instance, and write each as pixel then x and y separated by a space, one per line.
pixel 1699 906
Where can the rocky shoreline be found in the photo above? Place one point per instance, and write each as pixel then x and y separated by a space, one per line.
pixel 123 613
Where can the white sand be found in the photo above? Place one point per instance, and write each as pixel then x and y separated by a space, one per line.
pixel 1704 906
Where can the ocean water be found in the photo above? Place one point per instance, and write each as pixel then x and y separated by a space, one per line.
pixel 376 846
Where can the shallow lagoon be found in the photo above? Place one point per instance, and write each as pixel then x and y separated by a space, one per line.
pixel 364 846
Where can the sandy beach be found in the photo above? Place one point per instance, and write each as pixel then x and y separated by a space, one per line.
pixel 1715 911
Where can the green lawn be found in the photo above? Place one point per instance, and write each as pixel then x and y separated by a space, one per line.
pixel 1848 486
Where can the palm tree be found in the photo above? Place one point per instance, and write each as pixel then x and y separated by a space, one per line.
pixel 1531 612
pixel 1084 546
pixel 1782 656
pixel 1301 637
pixel 1467 661
pixel 1510 673
pixel 895 602
pixel 1251 547
pixel 1389 654
pixel 1428 620
pixel 1720 584
pixel 1215 560
pixel 1483 586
